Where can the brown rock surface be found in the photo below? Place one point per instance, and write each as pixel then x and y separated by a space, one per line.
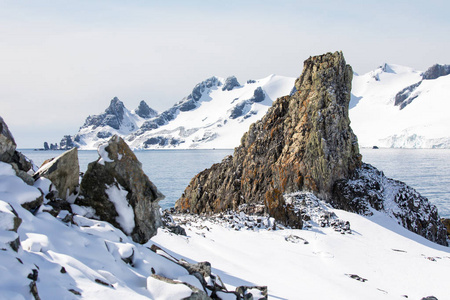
pixel 304 142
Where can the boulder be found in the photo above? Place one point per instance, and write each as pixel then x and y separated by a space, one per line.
pixel 116 187
pixel 63 171
pixel 304 142
pixel 446 223
pixel 7 143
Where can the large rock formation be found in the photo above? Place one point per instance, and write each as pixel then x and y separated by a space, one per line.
pixel 304 142
pixel 116 187
pixel 64 172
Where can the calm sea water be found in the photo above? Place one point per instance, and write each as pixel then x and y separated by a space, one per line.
pixel 428 171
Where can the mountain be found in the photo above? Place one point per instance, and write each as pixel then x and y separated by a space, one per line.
pixel 214 115
pixel 391 106
pixel 398 107
pixel 116 119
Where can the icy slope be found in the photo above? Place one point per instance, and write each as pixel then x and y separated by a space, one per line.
pixel 394 106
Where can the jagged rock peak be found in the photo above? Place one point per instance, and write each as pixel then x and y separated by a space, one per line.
pixel 144 111
pixel 304 142
pixel 116 107
pixel 230 83
pixel 436 71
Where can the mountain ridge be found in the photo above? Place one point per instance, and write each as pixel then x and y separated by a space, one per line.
pixel 392 106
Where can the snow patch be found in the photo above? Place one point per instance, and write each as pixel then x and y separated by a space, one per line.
pixel 118 195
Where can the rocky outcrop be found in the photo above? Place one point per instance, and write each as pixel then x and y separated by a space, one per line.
pixel 304 142
pixel 368 189
pixel 7 143
pixel 116 187
pixel 66 143
pixel 64 172
pixel 230 83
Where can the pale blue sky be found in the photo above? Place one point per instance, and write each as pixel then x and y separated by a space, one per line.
pixel 63 60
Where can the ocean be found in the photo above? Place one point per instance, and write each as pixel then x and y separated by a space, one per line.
pixel 426 170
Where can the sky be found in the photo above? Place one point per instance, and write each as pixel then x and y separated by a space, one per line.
pixel 61 61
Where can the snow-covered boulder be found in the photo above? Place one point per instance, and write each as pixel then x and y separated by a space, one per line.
pixel 9 223
pixel 119 192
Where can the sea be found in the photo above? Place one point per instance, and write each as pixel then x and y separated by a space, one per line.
pixel 426 170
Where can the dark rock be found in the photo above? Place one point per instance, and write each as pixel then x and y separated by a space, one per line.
pixel 356 277
pixel 33 206
pixel 258 95
pixel 63 171
pixel 240 109
pixel 115 174
pixel 144 111
pixel 177 229
pixel 251 81
pixel 436 71
pixel 304 142
pixel 429 298
pixel 366 190
pixel 34 291
pixel 33 275
pixel 230 83
pixel 7 143
pixel 46 147
pixel 403 98
pixel 245 292
pixel 75 292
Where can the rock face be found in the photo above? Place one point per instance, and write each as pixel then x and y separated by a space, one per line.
pixel 304 142
pixel 64 172
pixel 144 111
pixel 116 187
pixel 7 143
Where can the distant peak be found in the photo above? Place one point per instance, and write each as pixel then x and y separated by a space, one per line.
pixel 144 111
pixel 387 68
pixel 230 83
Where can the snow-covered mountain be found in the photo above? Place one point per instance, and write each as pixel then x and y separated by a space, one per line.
pixel 392 106
pixel 214 115
pixel 399 107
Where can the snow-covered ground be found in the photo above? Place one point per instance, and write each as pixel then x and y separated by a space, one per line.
pixel 375 259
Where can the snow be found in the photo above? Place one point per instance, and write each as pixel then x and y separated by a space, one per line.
pixel 423 123
pixel 89 257
pixel 118 195
pixel 104 155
